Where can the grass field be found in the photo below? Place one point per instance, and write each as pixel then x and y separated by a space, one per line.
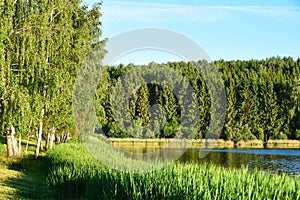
pixel 68 171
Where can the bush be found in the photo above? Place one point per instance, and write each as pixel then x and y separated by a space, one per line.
pixel 171 128
pixel 282 136
pixel 113 130
pixel 297 134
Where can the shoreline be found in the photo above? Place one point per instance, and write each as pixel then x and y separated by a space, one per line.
pixel 215 144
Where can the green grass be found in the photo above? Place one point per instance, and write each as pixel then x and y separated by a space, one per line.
pixel 81 176
pixel 24 177
pixel 69 171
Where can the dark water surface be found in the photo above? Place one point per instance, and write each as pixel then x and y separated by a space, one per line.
pixel 274 160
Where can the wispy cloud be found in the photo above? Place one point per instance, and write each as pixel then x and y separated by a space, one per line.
pixel 280 12
pixel 148 12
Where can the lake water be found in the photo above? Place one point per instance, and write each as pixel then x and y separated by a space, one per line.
pixel 273 160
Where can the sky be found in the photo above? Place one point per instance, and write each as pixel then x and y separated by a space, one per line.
pixel 227 29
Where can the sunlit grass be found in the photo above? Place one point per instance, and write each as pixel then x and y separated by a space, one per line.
pixel 24 177
pixel 71 167
pixel 82 176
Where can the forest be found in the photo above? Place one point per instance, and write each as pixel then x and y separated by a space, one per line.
pixel 44 43
pixel 262 99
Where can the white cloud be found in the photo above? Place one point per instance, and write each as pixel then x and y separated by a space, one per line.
pixel 272 11
pixel 148 12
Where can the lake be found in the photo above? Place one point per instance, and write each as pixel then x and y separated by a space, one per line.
pixel 273 160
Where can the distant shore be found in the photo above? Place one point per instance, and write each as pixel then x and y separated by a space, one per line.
pixel 220 143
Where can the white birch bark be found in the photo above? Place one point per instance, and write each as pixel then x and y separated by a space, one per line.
pixel 39 139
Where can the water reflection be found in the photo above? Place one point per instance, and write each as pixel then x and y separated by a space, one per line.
pixel 274 160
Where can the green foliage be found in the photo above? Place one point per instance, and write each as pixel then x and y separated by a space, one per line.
pixel 297 134
pixel 171 128
pixel 262 99
pixel 282 136
pixel 81 176
pixel 113 130
pixel 42 45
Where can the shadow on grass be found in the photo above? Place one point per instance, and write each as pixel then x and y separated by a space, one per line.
pixel 25 175
pixel 32 182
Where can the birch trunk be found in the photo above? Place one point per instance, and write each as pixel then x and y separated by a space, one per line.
pixel 41 144
pixel 57 139
pixel 52 138
pixel 14 141
pixel 26 149
pixel 10 152
pixel 39 139
pixel 20 143
pixel 47 141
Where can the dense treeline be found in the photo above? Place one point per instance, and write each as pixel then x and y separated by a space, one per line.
pixel 262 100
pixel 42 44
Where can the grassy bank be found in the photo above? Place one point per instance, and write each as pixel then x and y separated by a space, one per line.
pixel 68 171
pixel 81 176
pixel 218 144
pixel 24 177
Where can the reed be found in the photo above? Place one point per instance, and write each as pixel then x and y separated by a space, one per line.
pixel 82 176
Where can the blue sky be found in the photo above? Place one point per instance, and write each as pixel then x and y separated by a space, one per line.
pixel 228 29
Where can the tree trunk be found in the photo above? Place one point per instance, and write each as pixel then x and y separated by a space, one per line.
pixel 12 147
pixel 266 139
pixel 10 151
pixel 27 145
pixel 47 141
pixel 57 139
pixel 14 141
pixel 39 139
pixel 41 144
pixel 20 142
pixel 52 138
pixel 63 138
